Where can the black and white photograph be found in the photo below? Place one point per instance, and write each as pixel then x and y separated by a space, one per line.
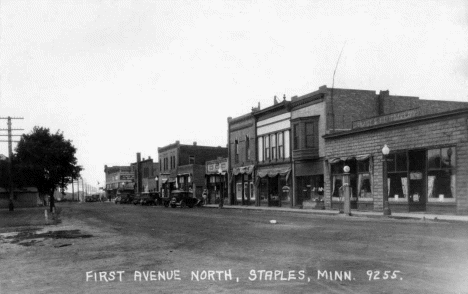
pixel 221 146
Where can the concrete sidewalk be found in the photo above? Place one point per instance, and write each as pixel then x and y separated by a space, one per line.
pixel 396 215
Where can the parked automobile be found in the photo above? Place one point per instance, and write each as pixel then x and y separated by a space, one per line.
pixel 165 200
pixel 183 198
pixel 126 199
pixel 150 198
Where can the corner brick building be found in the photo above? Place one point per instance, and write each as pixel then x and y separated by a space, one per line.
pixel 427 164
pixel 183 166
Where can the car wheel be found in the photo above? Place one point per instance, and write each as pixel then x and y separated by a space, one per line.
pixel 182 204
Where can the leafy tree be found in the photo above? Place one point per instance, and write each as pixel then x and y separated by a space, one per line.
pixel 48 160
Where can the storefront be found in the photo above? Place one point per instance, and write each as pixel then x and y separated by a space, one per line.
pixel 243 181
pixel 425 170
pixel 216 181
pixel 309 183
pixel 274 186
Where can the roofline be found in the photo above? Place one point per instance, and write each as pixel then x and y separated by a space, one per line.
pixel 400 122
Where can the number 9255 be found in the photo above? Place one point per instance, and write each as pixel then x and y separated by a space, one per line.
pixel 383 275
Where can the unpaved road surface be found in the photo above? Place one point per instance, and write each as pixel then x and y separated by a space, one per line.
pixel 108 248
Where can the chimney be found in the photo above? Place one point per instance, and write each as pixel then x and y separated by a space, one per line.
pixel 149 157
pixel 194 143
pixel 284 97
pixel 138 172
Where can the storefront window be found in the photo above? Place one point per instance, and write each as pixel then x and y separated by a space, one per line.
pixel 364 182
pixel 397 175
pixel 441 174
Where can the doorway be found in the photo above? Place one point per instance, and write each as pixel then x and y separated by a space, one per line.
pixel 417 180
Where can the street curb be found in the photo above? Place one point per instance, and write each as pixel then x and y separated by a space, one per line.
pixel 433 218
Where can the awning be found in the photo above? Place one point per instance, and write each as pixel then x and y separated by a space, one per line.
pixel 338 159
pixel 243 170
pixel 363 157
pixel 274 171
pixel 171 180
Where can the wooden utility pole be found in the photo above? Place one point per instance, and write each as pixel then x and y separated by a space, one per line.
pixel 10 155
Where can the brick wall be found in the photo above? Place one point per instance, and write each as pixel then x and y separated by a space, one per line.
pixel 201 153
pixel 240 130
pixel 422 134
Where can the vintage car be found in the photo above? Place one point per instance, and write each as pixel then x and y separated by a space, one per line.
pixel 126 198
pixel 182 199
pixel 146 198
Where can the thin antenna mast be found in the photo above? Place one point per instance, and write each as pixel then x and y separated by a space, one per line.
pixel 333 86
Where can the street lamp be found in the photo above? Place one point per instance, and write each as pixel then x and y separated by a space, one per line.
pixel 346 191
pixel 386 206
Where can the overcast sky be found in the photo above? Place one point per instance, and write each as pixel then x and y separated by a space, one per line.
pixel 120 77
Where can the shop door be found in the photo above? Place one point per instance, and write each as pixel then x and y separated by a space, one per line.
pixel 417 180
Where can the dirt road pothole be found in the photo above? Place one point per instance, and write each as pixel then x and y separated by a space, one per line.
pixel 32 237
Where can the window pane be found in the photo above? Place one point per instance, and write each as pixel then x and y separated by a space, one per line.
pixel 401 162
pixel 260 149
pixel 296 137
pixel 448 157
pixel 440 184
pixel 397 185
pixel 433 158
pixel 391 162
pixel 337 168
pixel 286 144
pixel 363 166
pixel 309 130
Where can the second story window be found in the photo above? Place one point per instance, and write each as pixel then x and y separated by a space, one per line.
pixel 247 148
pixel 280 145
pixel 310 135
pixel 236 151
pixel 267 147
pixel 191 159
pixel 273 146
pixel 260 149
pixel 296 137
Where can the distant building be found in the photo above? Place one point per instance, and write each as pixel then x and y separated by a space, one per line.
pixel 183 166
pixel 216 180
pixel 118 179
pixel 22 197
pixel 242 160
pixel 145 172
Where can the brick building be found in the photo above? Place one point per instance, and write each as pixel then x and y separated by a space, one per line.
pixel 216 180
pixel 241 157
pixel 427 165
pixel 273 175
pixel 183 166
pixel 308 125
pixel 146 173
pixel 119 179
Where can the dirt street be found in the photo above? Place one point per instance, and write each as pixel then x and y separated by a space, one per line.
pixel 109 248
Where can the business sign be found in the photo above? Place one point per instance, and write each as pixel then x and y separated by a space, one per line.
pixel 127 177
pixel 213 168
pixel 370 122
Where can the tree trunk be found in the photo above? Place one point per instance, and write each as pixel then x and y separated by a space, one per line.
pixel 52 201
